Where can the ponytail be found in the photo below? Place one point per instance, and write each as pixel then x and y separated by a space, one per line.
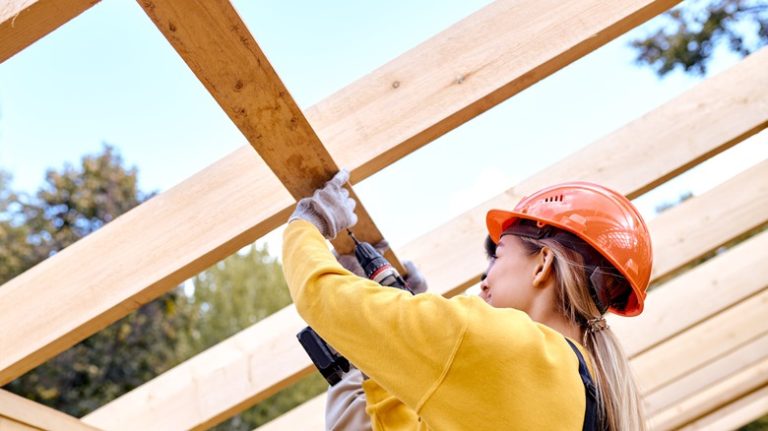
pixel 619 401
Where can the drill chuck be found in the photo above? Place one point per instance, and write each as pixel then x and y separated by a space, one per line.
pixel 376 267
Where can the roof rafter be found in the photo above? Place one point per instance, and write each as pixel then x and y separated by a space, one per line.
pixel 735 414
pixel 37 416
pixel 215 43
pixel 23 22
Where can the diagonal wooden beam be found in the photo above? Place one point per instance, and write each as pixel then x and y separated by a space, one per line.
pixel 275 333
pixel 37 416
pixel 23 22
pixel 213 40
pixel 705 289
pixel 496 64
pixel 712 398
pixel 735 383
pixel 668 396
pixel 735 414
pixel 309 416
pixel 626 160
pixel 8 424
pixel 710 339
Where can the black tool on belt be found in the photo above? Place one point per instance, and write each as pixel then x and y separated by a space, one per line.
pixel 327 360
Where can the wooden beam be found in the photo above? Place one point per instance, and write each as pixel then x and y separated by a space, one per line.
pixel 735 206
pixel 734 415
pixel 33 415
pixel 703 291
pixel 700 379
pixel 216 384
pixel 709 340
pixel 463 262
pixel 8 424
pixel 710 399
pixel 168 224
pixel 23 22
pixel 306 417
pixel 215 43
pixel 625 160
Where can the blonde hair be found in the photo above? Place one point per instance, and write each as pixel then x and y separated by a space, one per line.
pixel 619 401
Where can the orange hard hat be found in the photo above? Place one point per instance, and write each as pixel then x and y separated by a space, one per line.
pixel 603 218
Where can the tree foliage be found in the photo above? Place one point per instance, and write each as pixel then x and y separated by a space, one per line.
pixel 227 298
pixel 693 30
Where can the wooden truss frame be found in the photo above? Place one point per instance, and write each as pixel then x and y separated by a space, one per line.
pixel 705 365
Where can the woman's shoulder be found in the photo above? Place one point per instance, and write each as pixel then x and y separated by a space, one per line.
pixel 509 332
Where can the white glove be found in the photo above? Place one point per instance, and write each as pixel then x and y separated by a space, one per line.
pixel 414 280
pixel 330 208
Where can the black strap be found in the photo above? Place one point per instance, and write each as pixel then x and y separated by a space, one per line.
pixel 590 417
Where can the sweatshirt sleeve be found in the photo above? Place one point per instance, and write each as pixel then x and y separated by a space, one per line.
pixel 405 343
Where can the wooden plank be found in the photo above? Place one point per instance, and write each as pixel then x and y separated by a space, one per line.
pixel 524 41
pixel 712 398
pixel 8 424
pixel 23 22
pixel 626 160
pixel 734 415
pixel 215 43
pixel 717 224
pixel 309 416
pixel 217 383
pixel 33 415
pixel 465 262
pixel 168 225
pixel 700 379
pixel 706 289
pixel 709 340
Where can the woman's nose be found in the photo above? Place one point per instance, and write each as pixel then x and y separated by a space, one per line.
pixel 484 283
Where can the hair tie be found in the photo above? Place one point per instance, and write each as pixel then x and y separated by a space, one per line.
pixel 597 324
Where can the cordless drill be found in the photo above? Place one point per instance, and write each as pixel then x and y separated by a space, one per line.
pixel 327 360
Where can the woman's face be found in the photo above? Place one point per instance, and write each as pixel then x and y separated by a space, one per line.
pixel 509 278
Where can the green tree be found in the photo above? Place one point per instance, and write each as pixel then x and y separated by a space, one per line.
pixel 690 33
pixel 227 298
pixel 16 254
pixel 76 201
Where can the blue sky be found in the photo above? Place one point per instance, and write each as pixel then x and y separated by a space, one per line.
pixel 110 76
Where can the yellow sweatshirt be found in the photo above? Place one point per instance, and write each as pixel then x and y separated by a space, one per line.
pixel 435 363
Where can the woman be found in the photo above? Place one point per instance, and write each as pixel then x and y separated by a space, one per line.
pixel 540 357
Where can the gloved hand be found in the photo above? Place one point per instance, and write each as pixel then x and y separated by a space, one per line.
pixel 414 280
pixel 329 208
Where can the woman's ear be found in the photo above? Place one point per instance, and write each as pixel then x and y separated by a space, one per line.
pixel 543 268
